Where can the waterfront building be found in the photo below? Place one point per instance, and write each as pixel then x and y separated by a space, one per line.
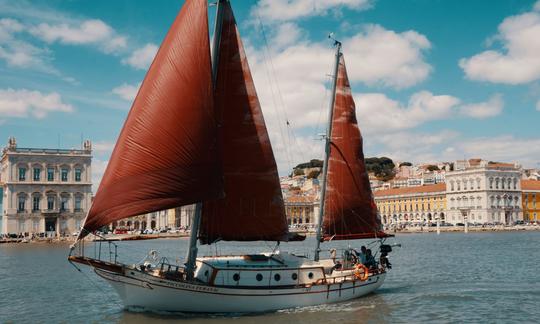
pixel 531 200
pixel 399 182
pixel 302 210
pixel 484 192
pixel 179 217
pixel 412 204
pixel 44 190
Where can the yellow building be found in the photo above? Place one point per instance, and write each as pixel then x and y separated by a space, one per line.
pixel 531 200
pixel 413 204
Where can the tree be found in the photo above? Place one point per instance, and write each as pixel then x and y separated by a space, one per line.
pixel 298 172
pixel 313 174
pixel 432 168
pixel 382 167
pixel 405 164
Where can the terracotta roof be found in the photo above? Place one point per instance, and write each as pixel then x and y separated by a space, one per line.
pixel 530 185
pixel 439 187
pixel 474 162
pixel 299 199
pixel 500 165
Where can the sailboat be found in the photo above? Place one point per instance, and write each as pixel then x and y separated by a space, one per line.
pixel 196 135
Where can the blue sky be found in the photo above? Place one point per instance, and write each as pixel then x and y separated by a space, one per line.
pixel 433 80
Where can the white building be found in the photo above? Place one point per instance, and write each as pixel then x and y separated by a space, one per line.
pixel 484 193
pixel 44 190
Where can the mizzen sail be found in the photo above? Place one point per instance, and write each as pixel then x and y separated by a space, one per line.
pixel 252 207
pixel 165 155
pixel 350 211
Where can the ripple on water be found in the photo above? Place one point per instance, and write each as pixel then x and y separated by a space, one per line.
pixel 478 277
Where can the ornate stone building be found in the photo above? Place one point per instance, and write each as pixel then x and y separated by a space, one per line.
pixel 44 190
pixel 302 210
pixel 484 193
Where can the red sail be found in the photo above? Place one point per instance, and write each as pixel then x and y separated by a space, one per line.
pixel 350 211
pixel 252 208
pixel 165 155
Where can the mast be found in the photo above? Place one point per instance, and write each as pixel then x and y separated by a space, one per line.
pixel 196 221
pixel 328 142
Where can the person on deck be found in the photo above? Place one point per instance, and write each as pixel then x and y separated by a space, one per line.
pixel 370 260
pixel 361 255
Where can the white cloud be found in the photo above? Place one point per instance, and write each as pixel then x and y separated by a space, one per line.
pixel 505 148
pixel 492 107
pixel 23 103
pixel 283 10
pixel 518 62
pixel 295 82
pixel 92 31
pixel 9 26
pixel 380 114
pixel 20 53
pixel 98 169
pixel 127 91
pixel 103 147
pixel 142 57
pixel 412 146
pixel 286 34
pixel 449 145
pixel 378 56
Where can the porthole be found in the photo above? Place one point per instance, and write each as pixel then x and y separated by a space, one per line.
pixel 277 277
pixel 294 276
pixel 259 277
pixel 236 277
pixel 206 273
pixel 310 275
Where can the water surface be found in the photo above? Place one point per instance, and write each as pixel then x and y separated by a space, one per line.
pixel 453 277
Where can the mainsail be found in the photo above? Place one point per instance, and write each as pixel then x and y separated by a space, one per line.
pixel 252 207
pixel 166 153
pixel 349 209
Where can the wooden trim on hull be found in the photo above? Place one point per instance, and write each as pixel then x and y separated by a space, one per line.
pixel 97 264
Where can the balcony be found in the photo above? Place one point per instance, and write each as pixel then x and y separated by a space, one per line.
pixel 50 211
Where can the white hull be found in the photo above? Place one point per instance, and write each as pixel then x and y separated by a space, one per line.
pixel 137 289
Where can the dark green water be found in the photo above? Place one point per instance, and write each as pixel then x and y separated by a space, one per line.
pixel 475 277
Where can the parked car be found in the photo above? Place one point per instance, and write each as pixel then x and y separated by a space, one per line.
pixel 120 231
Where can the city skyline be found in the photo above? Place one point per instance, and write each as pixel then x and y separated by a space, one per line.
pixel 427 87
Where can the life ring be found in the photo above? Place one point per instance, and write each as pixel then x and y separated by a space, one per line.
pixel 361 272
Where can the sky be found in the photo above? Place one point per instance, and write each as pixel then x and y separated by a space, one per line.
pixel 433 80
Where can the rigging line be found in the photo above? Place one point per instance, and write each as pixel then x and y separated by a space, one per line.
pixel 100 289
pixel 267 58
pixel 290 130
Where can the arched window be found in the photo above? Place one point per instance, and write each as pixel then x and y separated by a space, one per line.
pixel 51 200
pixel 452 185
pixel 515 183
pixel 477 183
pixel 496 183
pixel 21 206
pixel 458 185
pixel 490 183
pixel 64 201
pixel 503 181
pixel 36 172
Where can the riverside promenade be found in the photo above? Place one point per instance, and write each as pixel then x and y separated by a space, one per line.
pixel 461 229
pixel 108 237
pixel 406 230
